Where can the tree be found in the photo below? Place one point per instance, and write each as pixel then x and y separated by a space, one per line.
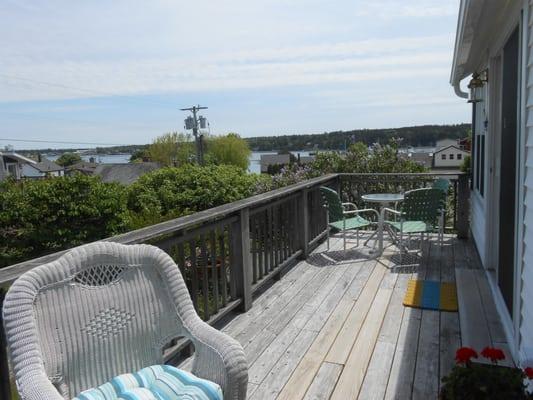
pixel 140 155
pixel 229 149
pixel 172 149
pixel 42 216
pixel 67 159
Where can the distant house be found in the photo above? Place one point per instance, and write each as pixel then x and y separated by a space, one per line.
pixel 465 144
pixel 273 159
pixel 43 169
pixel 449 157
pixel 125 174
pixel 11 164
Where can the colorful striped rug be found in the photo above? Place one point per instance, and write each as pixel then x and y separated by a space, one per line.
pixel 431 295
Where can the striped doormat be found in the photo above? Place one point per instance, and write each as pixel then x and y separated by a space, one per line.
pixel 431 295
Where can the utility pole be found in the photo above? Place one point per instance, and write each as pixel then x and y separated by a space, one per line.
pixel 192 123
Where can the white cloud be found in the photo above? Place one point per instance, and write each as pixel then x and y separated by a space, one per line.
pixel 268 67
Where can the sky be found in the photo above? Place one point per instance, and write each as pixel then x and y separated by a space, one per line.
pixel 118 72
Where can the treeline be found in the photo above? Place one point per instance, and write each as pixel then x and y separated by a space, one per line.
pixel 416 136
pixel 424 135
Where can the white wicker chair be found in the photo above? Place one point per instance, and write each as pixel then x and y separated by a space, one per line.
pixel 106 309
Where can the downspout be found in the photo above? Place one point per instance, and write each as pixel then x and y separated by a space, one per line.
pixel 458 91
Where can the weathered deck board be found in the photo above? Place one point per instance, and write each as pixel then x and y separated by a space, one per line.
pixel 325 381
pixel 340 330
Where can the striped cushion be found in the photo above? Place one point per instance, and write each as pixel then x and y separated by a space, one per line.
pixel 158 382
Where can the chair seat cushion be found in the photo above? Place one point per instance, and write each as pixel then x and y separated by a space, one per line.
pixel 411 226
pixel 351 223
pixel 158 382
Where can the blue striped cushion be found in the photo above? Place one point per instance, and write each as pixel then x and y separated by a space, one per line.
pixel 158 382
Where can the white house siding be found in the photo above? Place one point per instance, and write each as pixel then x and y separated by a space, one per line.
pixel 526 310
pixel 448 162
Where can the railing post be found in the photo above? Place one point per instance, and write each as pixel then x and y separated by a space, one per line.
pixel 5 391
pixel 242 262
pixel 463 207
pixel 304 223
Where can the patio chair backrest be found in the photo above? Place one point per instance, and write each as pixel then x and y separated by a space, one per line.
pixel 442 184
pixel 422 205
pixel 333 203
pixel 98 311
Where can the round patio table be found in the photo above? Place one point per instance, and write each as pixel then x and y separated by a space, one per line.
pixel 383 199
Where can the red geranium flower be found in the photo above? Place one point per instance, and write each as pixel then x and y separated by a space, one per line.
pixel 529 372
pixel 464 355
pixel 493 354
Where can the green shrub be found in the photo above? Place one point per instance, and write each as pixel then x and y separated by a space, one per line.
pixel 466 165
pixel 359 158
pixel 173 192
pixel 42 216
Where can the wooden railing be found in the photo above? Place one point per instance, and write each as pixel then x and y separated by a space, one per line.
pixel 228 253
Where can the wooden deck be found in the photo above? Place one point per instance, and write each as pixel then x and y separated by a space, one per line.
pixel 334 327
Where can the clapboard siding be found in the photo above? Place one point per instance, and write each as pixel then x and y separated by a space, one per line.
pixel 526 303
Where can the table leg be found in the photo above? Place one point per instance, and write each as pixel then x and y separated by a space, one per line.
pixel 381 221
pixel 379 233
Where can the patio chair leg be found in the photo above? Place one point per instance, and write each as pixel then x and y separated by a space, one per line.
pixel 344 239
pixel 327 235
pixel 357 237
pixel 401 246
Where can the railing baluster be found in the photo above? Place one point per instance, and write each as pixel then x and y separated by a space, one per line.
pixel 215 269
pixel 223 267
pixel 205 278
pixel 181 260
pixel 303 222
pixel 232 263
pixel 194 272
pixel 270 230
pixel 253 239
pixel 261 244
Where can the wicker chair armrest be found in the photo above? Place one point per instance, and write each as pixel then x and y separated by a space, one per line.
pixel 219 358
pixel 37 387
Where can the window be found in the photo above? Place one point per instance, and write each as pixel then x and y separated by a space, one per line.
pixel 12 169
pixel 459 156
pixel 451 156
pixel 443 156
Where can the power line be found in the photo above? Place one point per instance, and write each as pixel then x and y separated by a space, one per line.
pixel 82 90
pixel 63 142
pixel 86 123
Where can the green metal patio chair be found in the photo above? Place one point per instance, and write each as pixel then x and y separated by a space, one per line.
pixel 443 185
pixel 419 214
pixel 343 216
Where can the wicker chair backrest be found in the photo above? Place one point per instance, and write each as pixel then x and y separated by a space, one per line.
pixel 98 311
